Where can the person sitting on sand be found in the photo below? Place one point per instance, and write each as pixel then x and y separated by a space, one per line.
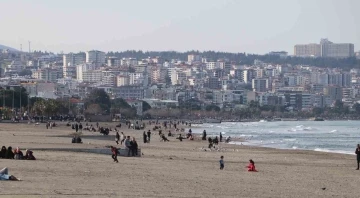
pixel 216 140
pixel 29 155
pixel 180 138
pixel 78 139
pixel 18 154
pixel 9 153
pixel 3 152
pixel 251 166
pixel 4 175
pixel 228 139
pixel 163 138
pixel 169 134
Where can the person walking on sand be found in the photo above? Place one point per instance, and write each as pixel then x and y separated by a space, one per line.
pixel 221 137
pixel 145 137
pixel 117 138
pixel 221 163
pixel 148 136
pixel 114 152
pixel 357 152
pixel 122 138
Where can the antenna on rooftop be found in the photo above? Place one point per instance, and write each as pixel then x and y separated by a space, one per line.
pixel 29 47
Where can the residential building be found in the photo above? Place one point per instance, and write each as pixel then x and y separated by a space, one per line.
pixel 95 57
pixel 326 48
pixel 260 85
pixel 80 69
pixel 70 61
pixel 194 58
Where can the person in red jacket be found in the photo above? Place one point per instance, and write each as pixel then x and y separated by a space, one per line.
pixel 114 152
pixel 251 166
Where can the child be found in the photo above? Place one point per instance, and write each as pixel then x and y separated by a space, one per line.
pixel 221 162
pixel 251 166
pixel 114 151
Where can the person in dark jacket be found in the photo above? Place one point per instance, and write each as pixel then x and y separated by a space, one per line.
pixel 145 137
pixel 357 152
pixel 148 136
pixel 3 152
pixel 117 137
pixel 134 147
pixel 9 153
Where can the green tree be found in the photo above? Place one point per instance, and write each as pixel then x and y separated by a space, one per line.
pixel 100 97
pixel 212 107
pixel 145 106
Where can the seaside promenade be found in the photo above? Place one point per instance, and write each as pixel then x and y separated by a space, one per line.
pixel 167 169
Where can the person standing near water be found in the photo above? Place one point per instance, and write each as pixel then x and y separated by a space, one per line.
pixel 357 152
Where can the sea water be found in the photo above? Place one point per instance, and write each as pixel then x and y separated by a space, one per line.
pixel 325 136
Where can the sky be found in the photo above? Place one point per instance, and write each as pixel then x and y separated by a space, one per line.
pixel 251 26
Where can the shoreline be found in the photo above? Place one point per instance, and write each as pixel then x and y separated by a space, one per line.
pixel 180 169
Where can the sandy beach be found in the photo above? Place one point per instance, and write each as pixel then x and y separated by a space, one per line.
pixel 168 169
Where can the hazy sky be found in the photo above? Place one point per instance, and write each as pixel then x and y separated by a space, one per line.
pixel 252 26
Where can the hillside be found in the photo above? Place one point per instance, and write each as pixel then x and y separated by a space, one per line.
pixel 6 47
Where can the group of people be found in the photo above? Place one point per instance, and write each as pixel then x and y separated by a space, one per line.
pixel 129 144
pixel 50 125
pixel 9 153
pixel 250 166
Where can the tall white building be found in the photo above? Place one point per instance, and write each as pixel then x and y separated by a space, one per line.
pixel 194 58
pixel 96 57
pixel 70 61
pixel 80 69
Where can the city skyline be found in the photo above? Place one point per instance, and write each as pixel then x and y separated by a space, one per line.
pixel 232 26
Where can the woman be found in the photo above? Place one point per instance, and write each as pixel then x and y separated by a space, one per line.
pixel 117 137
pixel 29 155
pixel 9 153
pixel 134 147
pixel 18 154
pixel 357 152
pixel 3 152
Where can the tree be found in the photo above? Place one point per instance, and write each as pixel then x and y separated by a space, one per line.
pixel 100 97
pixel 94 109
pixel 356 107
pixel 25 72
pixel 212 107
pixel 145 106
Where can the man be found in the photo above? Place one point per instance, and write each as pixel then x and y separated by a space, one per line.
pixel 122 138
pixel 148 135
pixel 128 145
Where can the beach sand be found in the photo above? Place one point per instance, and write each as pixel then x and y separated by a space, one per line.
pixel 168 169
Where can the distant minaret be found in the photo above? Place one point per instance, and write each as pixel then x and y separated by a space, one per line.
pixel 29 47
pixel 20 47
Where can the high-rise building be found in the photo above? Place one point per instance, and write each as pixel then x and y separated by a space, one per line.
pixel 260 85
pixel 326 48
pixel 194 58
pixel 96 57
pixel 80 69
pixel 336 50
pixel 312 49
pixel 69 63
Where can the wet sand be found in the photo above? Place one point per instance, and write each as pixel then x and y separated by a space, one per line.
pixel 168 169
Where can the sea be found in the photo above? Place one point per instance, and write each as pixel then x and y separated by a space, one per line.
pixel 323 136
